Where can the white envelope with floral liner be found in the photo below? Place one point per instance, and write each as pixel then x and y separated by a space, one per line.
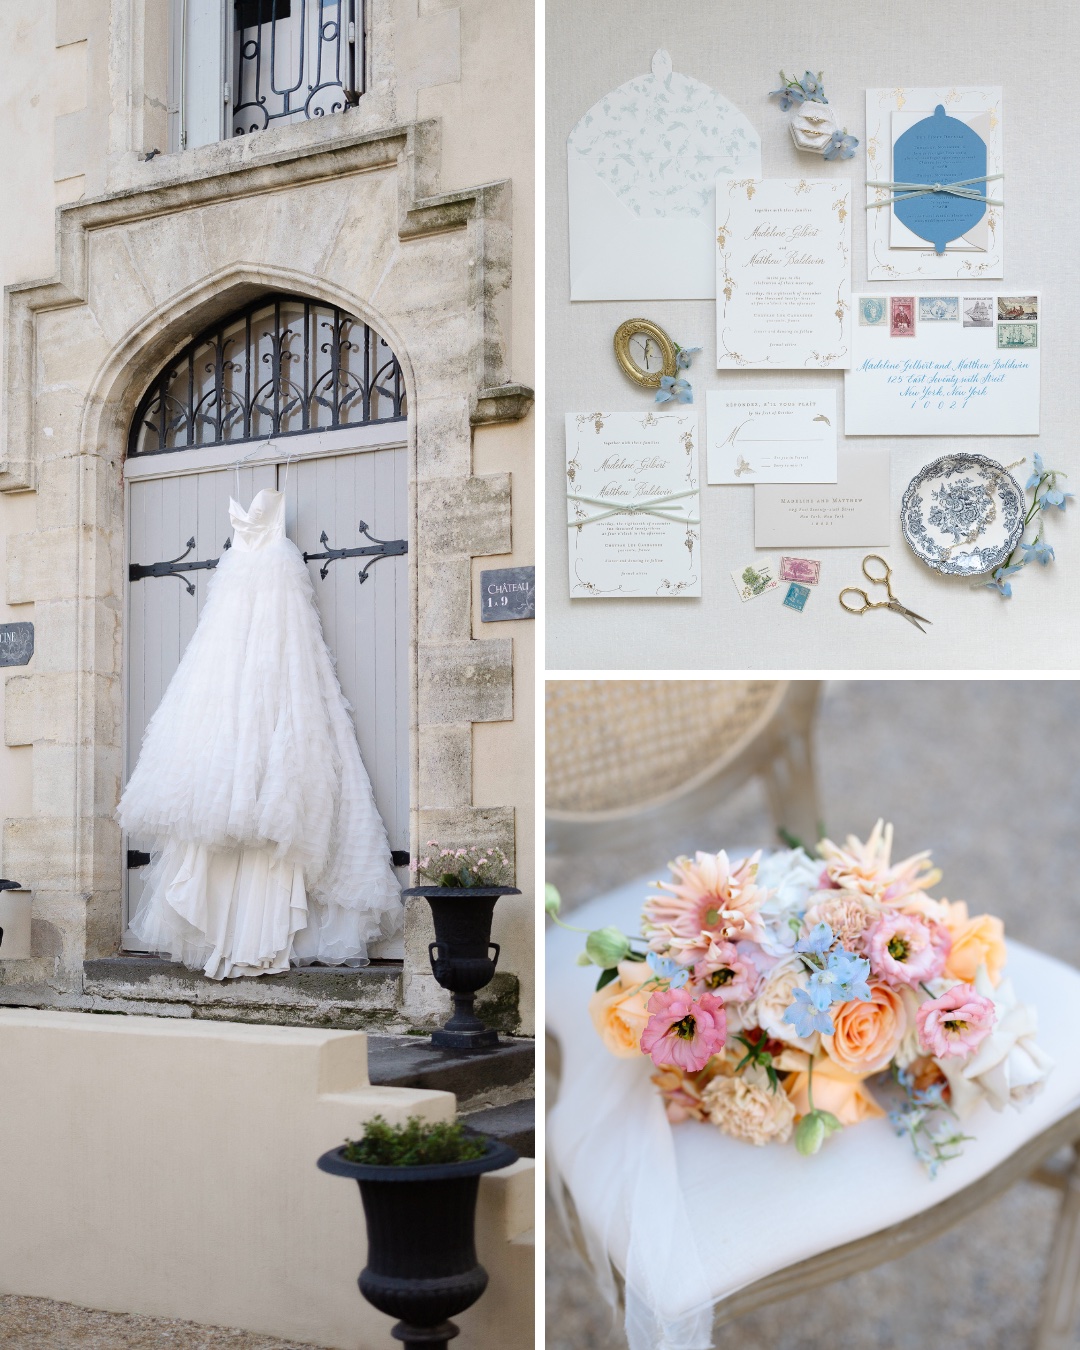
pixel 895 253
pixel 642 165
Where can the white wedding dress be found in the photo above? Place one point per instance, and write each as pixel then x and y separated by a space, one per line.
pixel 267 843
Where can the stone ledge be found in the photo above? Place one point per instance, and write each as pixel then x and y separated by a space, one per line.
pixel 502 403
pixel 504 1072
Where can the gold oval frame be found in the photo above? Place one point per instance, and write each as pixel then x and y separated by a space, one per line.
pixel 625 332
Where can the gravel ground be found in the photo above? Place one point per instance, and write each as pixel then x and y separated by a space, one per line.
pixel 37 1324
pixel 987 775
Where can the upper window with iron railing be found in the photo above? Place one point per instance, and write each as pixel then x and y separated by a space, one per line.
pixel 240 66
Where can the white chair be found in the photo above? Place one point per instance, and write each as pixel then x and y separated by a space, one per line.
pixel 629 759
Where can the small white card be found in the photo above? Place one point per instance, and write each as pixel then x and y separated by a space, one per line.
pixel 783 274
pixel 771 436
pixel 633 504
pixel 945 365
pixel 853 512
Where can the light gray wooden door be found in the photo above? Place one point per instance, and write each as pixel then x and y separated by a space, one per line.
pixel 365 623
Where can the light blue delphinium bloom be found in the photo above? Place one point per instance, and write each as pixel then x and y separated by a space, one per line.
pixel 788 95
pixel 1039 551
pixel 841 146
pixel 1037 472
pixel 667 969
pixel 671 389
pixel 999 582
pixel 806 1018
pixel 1053 496
pixel 818 941
pixel 812 87
pixel 684 355
pixel 849 973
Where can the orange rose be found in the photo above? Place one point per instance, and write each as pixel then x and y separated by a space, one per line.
pixel 975 942
pixel 619 1010
pixel 835 1090
pixel 867 1035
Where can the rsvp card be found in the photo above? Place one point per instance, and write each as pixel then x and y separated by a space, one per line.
pixel 633 504
pixel 772 436
pixel 853 512
pixel 783 274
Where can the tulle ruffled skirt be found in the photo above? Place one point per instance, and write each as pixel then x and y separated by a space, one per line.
pixel 251 791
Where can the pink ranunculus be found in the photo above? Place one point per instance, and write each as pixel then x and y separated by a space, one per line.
pixel 956 1022
pixel 723 972
pixel 684 1032
pixel 905 948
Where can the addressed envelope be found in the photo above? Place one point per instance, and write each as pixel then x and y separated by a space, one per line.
pixel 771 436
pixel 853 512
pixel 895 253
pixel 642 165
pixel 968 375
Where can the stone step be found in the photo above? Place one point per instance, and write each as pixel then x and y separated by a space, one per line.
pixel 478 1078
pixel 513 1124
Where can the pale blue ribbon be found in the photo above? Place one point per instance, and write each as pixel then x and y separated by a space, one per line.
pixel 655 506
pixel 903 191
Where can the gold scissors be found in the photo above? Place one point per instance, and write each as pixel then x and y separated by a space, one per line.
pixel 885 579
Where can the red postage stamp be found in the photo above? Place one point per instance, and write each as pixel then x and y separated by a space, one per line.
pixel 805 570
pixel 902 315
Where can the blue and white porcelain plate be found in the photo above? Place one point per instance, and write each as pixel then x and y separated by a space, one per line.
pixel 963 514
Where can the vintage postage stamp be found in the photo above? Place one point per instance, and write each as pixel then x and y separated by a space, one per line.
pixel 1018 335
pixel 797 596
pixel 804 570
pixel 902 315
pixel 871 311
pixel 754 579
pixel 939 308
pixel 978 311
pixel 1018 307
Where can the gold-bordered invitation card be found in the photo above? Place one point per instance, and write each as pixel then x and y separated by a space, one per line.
pixel 783 274
pixel 633 513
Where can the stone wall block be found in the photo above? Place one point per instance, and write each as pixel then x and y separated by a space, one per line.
pixel 19 698
pixel 470 826
pixel 39 851
pixel 446 600
pixel 56 780
pixel 21 551
pixel 463 517
pixel 445 766
pixel 466 681
pixel 443 437
pixel 56 637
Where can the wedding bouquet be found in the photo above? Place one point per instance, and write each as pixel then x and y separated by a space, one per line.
pixel 769 992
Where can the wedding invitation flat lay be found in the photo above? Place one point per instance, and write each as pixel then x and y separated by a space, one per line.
pixel 633 509
pixel 641 168
pixel 783 274
pixel 944 365
pixel 853 512
pixel 935 183
pixel 771 436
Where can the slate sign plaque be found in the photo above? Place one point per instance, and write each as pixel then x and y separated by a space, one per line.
pixel 16 643
pixel 508 593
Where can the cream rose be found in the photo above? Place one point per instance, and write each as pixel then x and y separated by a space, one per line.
pixel 844 1094
pixel 776 996
pixel 866 1035
pixel 747 1108
pixel 976 942
pixel 619 1011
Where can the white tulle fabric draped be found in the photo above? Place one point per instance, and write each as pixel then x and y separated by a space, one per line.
pixel 268 846
pixel 687 1215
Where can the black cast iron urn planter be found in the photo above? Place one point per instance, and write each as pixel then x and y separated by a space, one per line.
pixel 421 1265
pixel 461 957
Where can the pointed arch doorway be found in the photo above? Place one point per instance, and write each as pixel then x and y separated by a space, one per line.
pixel 299 395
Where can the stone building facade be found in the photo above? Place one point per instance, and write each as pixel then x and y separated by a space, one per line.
pixel 408 206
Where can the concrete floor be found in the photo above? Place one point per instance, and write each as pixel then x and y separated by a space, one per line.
pixel 987 775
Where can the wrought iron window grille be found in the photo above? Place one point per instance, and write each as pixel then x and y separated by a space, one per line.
pixel 295 58
pixel 281 367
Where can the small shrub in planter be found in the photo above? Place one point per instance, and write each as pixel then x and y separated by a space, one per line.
pixel 467 882
pixel 419 1183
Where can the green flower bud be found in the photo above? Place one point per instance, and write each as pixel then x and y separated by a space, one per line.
pixel 552 899
pixel 583 959
pixel 810 1133
pixel 606 947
